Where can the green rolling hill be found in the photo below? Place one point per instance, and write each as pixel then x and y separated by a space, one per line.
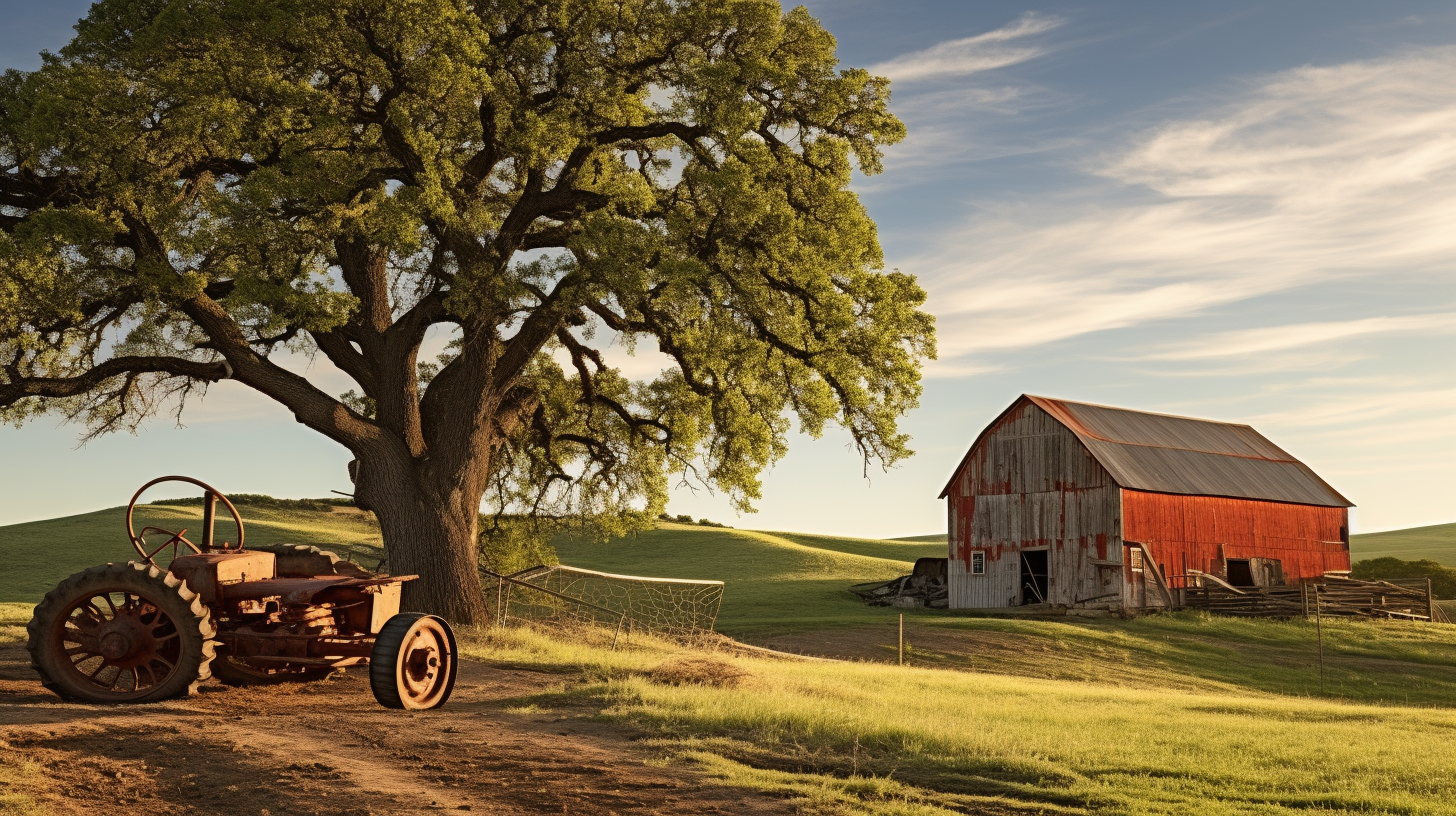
pixel 1435 543
pixel 38 554
pixel 775 580
pixel 771 579
pixel 788 591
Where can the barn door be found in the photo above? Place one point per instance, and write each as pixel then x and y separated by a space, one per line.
pixel 1137 584
pixel 1035 577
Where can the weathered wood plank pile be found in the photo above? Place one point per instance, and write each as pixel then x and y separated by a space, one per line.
pixel 926 586
pixel 1332 595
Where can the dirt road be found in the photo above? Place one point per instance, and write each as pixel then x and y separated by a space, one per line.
pixel 328 748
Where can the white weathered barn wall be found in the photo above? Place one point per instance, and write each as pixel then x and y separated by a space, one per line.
pixel 1029 484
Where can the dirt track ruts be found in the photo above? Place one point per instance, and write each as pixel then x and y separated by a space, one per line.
pixel 328 748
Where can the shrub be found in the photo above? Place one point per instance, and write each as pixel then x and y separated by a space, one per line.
pixel 1443 578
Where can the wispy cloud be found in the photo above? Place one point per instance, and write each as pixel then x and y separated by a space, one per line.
pixel 1377 405
pixel 1316 174
pixel 972 55
pixel 1299 335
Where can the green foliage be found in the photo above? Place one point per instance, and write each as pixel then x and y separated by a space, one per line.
pixel 1443 578
pixel 190 189
pixel 509 544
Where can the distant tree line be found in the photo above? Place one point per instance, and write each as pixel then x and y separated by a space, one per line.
pixel 269 502
pixel 1443 578
pixel 687 519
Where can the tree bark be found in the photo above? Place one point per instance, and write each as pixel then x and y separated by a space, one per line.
pixel 430 524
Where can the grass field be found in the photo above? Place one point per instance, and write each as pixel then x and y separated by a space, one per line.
pixel 870 739
pixel 1180 713
pixel 863 738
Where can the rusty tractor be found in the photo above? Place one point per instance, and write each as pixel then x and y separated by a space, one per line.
pixel 138 632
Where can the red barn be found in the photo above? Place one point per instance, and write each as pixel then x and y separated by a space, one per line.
pixel 1086 506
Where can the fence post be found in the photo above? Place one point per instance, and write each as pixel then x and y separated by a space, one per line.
pixel 1320 633
pixel 902 638
pixel 1430 603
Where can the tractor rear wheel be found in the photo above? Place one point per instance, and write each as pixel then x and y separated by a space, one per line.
pixel 121 633
pixel 413 662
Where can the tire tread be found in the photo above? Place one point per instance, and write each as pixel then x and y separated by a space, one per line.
pixel 198 620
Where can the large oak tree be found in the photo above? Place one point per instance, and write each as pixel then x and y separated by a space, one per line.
pixel 195 190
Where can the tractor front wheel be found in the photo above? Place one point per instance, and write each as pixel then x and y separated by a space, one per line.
pixel 413 662
pixel 121 633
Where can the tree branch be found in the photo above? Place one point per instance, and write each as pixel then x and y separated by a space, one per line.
pixel 18 388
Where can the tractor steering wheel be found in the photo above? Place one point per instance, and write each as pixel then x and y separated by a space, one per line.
pixel 210 497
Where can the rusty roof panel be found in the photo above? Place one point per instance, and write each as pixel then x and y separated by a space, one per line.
pixel 1172 454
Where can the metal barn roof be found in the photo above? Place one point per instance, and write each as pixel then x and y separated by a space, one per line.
pixel 1162 453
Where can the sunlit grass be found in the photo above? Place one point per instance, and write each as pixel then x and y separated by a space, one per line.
pixel 13 617
pixel 19 779
pixel 834 735
pixel 1368 661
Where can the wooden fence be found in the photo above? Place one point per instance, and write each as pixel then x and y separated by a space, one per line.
pixel 1332 595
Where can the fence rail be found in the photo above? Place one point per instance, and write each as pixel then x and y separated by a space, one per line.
pixel 1331 595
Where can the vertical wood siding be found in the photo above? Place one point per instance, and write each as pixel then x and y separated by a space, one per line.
pixel 1190 531
pixel 1030 484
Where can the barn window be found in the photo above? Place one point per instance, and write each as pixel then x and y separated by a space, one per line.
pixel 978 562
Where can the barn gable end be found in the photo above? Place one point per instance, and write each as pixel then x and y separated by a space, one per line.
pixel 1029 485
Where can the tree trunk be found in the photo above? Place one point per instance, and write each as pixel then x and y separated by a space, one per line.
pixel 430 528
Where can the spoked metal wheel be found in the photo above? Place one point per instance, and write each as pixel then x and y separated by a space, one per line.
pixel 121 633
pixel 413 662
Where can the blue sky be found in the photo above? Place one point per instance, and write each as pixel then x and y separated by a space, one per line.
pixel 1240 211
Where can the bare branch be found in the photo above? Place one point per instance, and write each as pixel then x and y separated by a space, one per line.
pixel 17 388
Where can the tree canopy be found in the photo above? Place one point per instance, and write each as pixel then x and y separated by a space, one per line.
pixel 193 190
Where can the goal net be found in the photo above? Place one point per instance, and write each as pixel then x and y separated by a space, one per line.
pixel 565 594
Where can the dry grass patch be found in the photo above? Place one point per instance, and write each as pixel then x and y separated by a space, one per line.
pixel 20 780
pixel 698 671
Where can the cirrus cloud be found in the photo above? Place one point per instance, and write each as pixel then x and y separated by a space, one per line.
pixel 1318 174
pixel 971 55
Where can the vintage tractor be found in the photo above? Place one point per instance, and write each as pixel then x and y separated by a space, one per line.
pixel 137 633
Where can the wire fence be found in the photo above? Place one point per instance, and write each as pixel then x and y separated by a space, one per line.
pixel 570 595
